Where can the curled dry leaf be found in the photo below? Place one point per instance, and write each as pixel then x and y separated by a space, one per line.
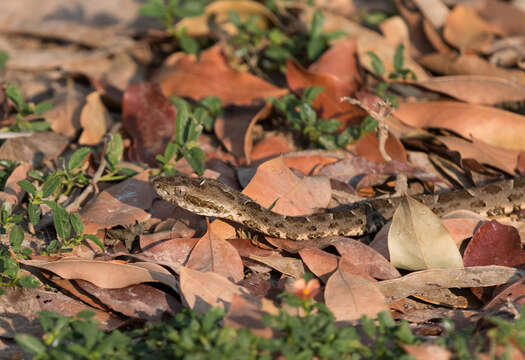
pixel 474 276
pixel 350 296
pixel 476 89
pixel 418 240
pixel 215 254
pixel 96 272
pixel 204 290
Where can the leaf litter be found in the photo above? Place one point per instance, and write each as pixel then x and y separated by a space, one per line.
pixel 151 105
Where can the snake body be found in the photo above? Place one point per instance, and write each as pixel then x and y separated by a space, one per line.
pixel 210 197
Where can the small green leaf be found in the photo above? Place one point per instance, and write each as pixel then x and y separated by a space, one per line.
pixel 154 8
pixel 16 236
pixel 60 220
pixel 76 222
pixel 53 244
pixel 307 113
pixel 4 57
pixel 315 47
pixel 369 124
pixel 13 93
pixel 235 18
pixel 43 107
pixel 34 212
pixel 187 43
pixel 328 142
pixel 194 131
pixel 31 344
pixel 399 60
pixel 183 114
pixel 50 185
pixel 37 126
pixel 27 186
pixel 78 158
pixel 114 151
pixel 317 25
pixel 329 126
pixel 377 64
pixel 28 282
pixel 190 9
pixel 195 157
pixel 96 240
pixel 311 93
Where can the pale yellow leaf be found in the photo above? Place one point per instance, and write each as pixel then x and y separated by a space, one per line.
pixel 417 239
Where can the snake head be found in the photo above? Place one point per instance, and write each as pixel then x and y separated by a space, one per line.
pixel 199 195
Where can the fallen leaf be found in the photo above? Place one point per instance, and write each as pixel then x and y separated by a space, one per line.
pixel 94 119
pixel 319 262
pixel 418 240
pixel 204 290
pixel 349 296
pixel 466 30
pixel 96 272
pixel 286 265
pixel 172 252
pixel 247 313
pixel 270 147
pixel 494 244
pixel 13 193
pixel 149 118
pixel 209 75
pixel 366 259
pixel 474 276
pixel 476 89
pixel 275 181
pixel 508 293
pixel 217 255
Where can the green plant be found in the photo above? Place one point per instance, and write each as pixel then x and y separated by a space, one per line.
pixel 7 218
pixel 399 72
pixel 113 155
pixel 4 58
pixel 189 124
pixel 300 115
pixel 171 10
pixel 6 168
pixel 24 109
pixel 268 49
pixel 9 267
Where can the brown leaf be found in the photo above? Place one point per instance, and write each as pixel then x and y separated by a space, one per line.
pixel 94 119
pixel 466 30
pixel 328 102
pixel 215 254
pixel 476 89
pixel 247 313
pixel 508 17
pixel 96 272
pixel 274 181
pixel 368 147
pixel 494 244
pixel 467 64
pixel 121 204
pixel 513 292
pixel 149 118
pixel 350 296
pixel 172 252
pixel 286 265
pixel 138 301
pixel 64 115
pixel 446 278
pixel 34 149
pixel 209 75
pixel 13 193
pixel 270 147
pixel 321 263
pixel 366 259
pixel 493 126
pixel 204 290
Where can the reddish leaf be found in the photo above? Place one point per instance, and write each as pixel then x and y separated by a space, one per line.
pixel 494 244
pixel 149 118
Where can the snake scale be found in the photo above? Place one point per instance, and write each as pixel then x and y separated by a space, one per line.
pixel 210 197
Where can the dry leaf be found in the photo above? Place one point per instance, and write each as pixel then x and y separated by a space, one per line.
pixel 474 276
pixel 217 255
pixel 321 263
pixel 427 352
pixel 202 291
pixel 286 265
pixel 418 240
pixel 350 296
pixel 94 119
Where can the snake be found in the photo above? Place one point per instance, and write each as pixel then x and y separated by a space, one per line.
pixel 210 197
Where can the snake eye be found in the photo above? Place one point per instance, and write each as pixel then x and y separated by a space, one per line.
pixel 180 190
